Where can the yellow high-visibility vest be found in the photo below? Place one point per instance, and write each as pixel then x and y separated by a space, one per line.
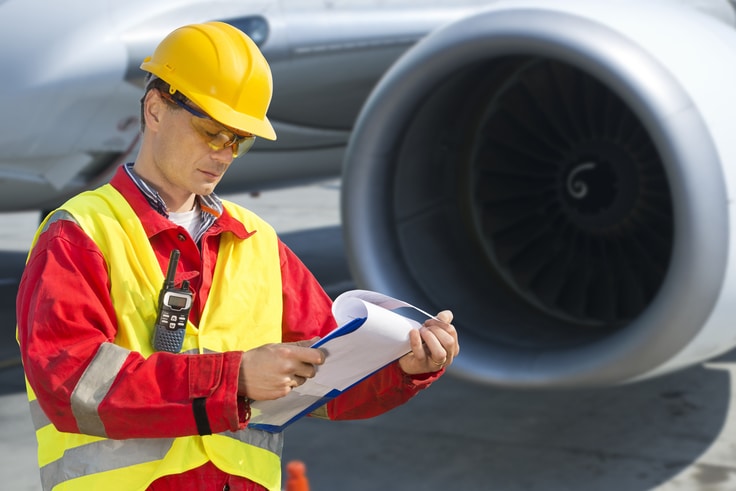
pixel 243 311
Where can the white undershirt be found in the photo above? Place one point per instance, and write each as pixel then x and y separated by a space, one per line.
pixel 190 220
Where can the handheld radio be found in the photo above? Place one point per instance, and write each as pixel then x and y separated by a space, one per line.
pixel 173 311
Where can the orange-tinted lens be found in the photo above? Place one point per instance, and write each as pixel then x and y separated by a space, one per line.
pixel 219 137
pixel 215 134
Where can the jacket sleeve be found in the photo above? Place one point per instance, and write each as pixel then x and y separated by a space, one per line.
pixel 308 313
pixel 86 384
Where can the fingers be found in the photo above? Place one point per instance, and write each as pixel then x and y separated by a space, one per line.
pixel 272 371
pixel 417 345
pixel 305 370
pixel 305 354
pixel 439 341
pixel 436 351
pixel 295 381
pixel 304 362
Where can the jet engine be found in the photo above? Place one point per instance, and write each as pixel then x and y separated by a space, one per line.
pixel 560 175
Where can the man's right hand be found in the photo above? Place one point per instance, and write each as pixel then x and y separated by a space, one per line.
pixel 271 371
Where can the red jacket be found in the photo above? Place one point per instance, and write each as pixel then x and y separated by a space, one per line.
pixel 65 312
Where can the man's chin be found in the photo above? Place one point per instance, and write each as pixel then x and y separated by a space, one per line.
pixel 206 189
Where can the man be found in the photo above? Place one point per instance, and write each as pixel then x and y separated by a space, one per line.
pixel 110 411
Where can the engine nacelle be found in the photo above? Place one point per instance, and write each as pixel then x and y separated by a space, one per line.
pixel 559 174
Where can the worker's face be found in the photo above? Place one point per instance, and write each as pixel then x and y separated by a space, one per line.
pixel 215 134
pixel 183 162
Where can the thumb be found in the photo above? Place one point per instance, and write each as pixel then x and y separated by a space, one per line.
pixel 445 316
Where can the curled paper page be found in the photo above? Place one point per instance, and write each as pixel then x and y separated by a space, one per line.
pixel 345 308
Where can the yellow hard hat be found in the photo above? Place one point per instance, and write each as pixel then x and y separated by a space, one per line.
pixel 221 70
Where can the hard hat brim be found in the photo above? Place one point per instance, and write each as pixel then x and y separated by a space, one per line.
pixel 222 113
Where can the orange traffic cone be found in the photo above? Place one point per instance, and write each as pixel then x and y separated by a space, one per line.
pixel 296 476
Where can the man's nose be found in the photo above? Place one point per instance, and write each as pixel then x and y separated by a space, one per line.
pixel 224 155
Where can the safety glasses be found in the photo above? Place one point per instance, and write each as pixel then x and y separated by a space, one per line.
pixel 216 135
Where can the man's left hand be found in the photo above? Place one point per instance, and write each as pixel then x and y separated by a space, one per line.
pixel 433 346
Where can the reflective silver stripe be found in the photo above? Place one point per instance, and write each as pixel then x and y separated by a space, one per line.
pixel 38 417
pixel 107 455
pixel 101 456
pixel 56 216
pixel 273 442
pixel 93 387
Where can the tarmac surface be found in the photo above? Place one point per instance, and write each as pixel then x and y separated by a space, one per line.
pixel 670 434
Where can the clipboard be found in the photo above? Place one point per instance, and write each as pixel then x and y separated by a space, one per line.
pixel 371 335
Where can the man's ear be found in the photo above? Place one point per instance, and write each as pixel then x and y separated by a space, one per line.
pixel 153 108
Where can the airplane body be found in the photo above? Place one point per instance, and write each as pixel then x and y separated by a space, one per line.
pixel 559 173
pixel 70 88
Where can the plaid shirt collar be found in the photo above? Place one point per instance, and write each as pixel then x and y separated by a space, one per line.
pixel 210 206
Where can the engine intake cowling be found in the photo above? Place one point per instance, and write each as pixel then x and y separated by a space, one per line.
pixel 559 175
